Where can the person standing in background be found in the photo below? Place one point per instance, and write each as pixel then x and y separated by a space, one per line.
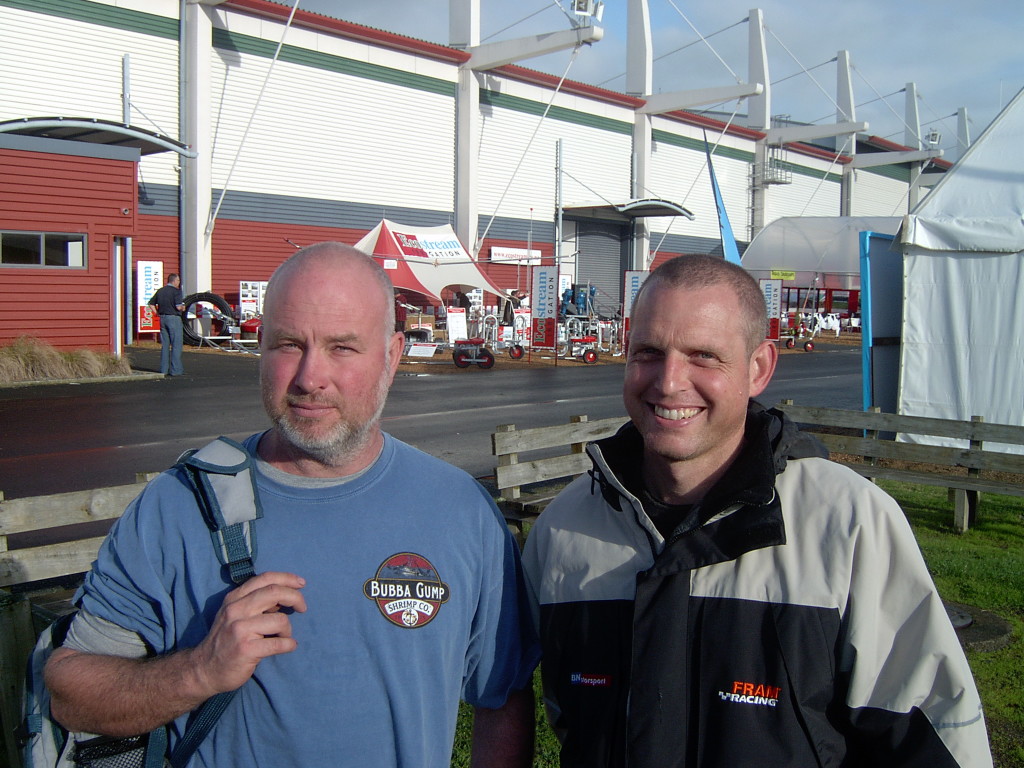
pixel 169 305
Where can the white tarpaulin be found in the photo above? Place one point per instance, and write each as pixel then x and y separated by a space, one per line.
pixel 963 309
pixel 823 251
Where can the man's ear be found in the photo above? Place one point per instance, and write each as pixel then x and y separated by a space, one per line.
pixel 762 366
pixel 395 348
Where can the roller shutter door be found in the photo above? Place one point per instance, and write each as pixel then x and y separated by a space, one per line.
pixel 604 254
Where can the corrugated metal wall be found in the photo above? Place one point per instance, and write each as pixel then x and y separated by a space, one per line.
pixel 45 192
pixel 348 133
pixel 518 153
pixel 879 195
pixel 679 173
pixel 327 125
pixel 816 190
pixel 601 261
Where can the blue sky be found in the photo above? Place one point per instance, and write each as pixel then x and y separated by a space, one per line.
pixel 956 57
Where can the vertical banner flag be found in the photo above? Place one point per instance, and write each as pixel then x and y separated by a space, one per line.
pixel 544 304
pixel 634 279
pixel 149 279
pixel 772 290
pixel 732 253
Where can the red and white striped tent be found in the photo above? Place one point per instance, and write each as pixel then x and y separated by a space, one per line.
pixel 425 259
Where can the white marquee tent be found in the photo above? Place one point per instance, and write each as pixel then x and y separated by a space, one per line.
pixel 963 268
pixel 823 251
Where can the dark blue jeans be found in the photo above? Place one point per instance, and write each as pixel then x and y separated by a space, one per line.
pixel 170 345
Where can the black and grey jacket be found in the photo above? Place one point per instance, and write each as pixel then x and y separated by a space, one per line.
pixel 797 625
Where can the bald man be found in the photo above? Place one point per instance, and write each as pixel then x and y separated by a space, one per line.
pixel 387 586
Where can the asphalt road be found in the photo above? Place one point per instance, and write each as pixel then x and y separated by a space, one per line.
pixel 65 437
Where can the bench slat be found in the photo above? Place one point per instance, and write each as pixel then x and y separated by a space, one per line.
pixel 530 506
pixel 926 454
pixel 18 566
pixel 41 512
pixel 536 438
pixel 541 470
pixel 1009 434
pixel 935 478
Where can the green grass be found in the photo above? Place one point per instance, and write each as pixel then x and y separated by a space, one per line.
pixel 983 568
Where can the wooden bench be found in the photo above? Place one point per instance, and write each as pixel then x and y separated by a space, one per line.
pixel 534 464
pixel 865 441
pixel 46 543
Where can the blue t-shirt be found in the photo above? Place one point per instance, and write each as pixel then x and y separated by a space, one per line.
pixel 414 596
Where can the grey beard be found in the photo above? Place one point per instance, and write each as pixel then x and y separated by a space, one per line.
pixel 332 450
pixel 345 441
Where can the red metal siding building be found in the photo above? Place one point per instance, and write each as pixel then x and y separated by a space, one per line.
pixel 64 188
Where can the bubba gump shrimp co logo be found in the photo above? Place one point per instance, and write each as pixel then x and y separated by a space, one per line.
pixel 408 590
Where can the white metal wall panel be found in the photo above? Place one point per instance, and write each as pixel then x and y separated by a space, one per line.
pixel 596 160
pixel 167 8
pixel 595 164
pixel 877 195
pixel 563 99
pixel 806 195
pixel 332 136
pixel 272 30
pixel 52 66
pixel 680 174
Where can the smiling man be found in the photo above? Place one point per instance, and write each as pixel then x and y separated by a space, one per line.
pixel 715 593
pixel 387 585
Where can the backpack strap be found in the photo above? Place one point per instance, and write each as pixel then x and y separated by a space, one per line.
pixel 222 477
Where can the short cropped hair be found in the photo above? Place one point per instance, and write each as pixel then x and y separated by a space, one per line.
pixel 342 254
pixel 703 271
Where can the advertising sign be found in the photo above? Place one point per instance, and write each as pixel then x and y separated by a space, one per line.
pixel 521 326
pixel 457 327
pixel 522 256
pixel 772 290
pixel 149 279
pixel 544 306
pixel 634 278
pixel 421 349
pixel 427 246
pixel 250 297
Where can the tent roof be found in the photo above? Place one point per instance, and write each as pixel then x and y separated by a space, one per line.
pixel 979 203
pixel 823 251
pixel 425 259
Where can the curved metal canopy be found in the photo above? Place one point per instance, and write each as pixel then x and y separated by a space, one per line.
pixel 95 131
pixel 631 209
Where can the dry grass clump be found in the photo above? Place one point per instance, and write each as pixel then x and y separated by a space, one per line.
pixel 29 359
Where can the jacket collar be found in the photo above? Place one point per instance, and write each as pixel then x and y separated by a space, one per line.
pixel 740 513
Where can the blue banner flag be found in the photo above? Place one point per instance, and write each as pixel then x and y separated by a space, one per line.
pixel 732 253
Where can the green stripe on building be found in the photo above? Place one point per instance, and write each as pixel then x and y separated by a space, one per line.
pixel 255 46
pixel 529 107
pixel 102 15
pixel 674 139
pixel 897 172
